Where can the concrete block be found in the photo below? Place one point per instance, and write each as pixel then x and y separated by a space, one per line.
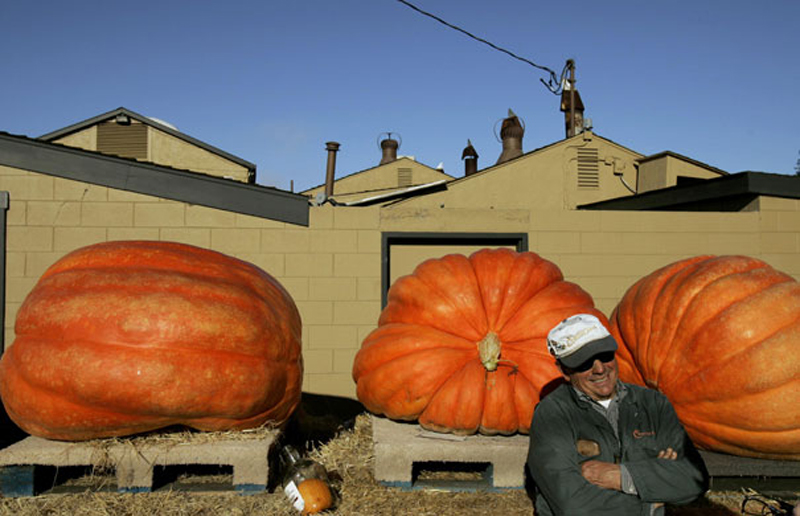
pixel 236 241
pixel 134 464
pixel 133 234
pixel 50 213
pixel 106 214
pixel 29 239
pixel 399 446
pixel 202 216
pixel 69 239
pixel 158 214
pixel 68 190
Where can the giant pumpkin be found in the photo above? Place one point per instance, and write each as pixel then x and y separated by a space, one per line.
pixel 720 337
pixel 125 337
pixel 461 344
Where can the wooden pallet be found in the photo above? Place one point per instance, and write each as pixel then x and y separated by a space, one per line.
pixel 134 465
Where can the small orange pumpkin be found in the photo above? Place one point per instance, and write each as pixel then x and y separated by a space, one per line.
pixel 124 337
pixel 461 343
pixel 720 337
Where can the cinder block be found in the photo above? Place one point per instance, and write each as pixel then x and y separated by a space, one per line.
pixel 356 312
pixel 309 265
pixel 158 214
pixel 236 241
pixel 200 237
pixel 52 213
pixel 332 289
pixel 335 240
pixel 399 446
pixel 68 190
pixel 134 464
pixel 69 239
pixel 368 241
pixel 119 214
pixel 201 216
pixel 351 265
pixel 356 218
pixel 133 234
pixel 249 221
pixel 29 239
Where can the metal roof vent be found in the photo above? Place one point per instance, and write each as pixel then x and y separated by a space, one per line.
pixel 389 148
pixel 470 157
pixel 511 134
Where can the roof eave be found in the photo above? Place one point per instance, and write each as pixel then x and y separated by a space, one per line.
pixel 150 179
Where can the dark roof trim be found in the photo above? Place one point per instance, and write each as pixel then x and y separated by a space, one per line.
pixel 148 121
pixel 403 193
pixel 739 185
pixel 146 178
pixel 683 158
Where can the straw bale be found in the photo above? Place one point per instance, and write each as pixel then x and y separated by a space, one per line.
pixel 348 458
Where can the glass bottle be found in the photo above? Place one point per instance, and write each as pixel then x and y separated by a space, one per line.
pixel 305 482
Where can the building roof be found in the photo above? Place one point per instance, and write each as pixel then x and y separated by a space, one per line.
pixel 158 124
pixel 497 166
pixel 150 179
pixel 683 158
pixel 445 176
pixel 731 192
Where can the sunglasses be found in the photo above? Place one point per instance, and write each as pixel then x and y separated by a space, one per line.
pixel 605 357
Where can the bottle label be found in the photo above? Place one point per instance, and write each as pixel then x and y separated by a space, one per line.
pixel 294 496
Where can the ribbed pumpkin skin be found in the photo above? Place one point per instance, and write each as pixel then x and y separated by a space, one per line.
pixel 720 337
pixel 120 338
pixel 422 362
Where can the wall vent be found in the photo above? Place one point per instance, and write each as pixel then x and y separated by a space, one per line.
pixel 588 168
pixel 128 141
pixel 404 177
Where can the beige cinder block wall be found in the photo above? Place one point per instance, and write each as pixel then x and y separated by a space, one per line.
pixel 331 268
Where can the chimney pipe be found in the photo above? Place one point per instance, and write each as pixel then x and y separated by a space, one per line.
pixel 571 104
pixel 511 133
pixel 332 148
pixel 389 149
pixel 470 157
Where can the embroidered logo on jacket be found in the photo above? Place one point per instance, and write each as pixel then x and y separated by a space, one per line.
pixel 638 434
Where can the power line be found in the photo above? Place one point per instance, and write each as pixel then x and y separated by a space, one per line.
pixel 554 84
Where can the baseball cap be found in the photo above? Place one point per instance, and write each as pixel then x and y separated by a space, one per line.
pixel 578 338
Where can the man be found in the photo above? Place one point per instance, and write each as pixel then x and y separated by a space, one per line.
pixel 600 446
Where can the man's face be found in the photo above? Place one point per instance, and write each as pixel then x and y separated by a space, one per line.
pixel 599 380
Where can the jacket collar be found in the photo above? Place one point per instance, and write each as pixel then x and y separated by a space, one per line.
pixel 585 401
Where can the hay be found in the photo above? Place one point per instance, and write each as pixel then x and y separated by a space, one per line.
pixel 348 458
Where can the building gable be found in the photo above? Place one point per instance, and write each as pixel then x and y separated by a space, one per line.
pixel 383 180
pixel 127 134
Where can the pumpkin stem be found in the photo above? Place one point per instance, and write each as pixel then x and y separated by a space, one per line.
pixel 489 351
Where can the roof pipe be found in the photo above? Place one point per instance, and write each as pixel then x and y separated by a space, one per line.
pixel 389 150
pixel 330 174
pixel 470 157
pixel 511 134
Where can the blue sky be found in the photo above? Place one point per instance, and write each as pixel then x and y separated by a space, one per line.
pixel 271 82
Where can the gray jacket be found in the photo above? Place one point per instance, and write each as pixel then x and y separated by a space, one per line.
pixel 647 424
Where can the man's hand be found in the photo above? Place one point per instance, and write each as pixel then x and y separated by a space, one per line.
pixel 608 476
pixel 668 454
pixel 602 474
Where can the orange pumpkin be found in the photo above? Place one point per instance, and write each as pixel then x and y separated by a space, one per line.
pixel 125 337
pixel 720 337
pixel 461 343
